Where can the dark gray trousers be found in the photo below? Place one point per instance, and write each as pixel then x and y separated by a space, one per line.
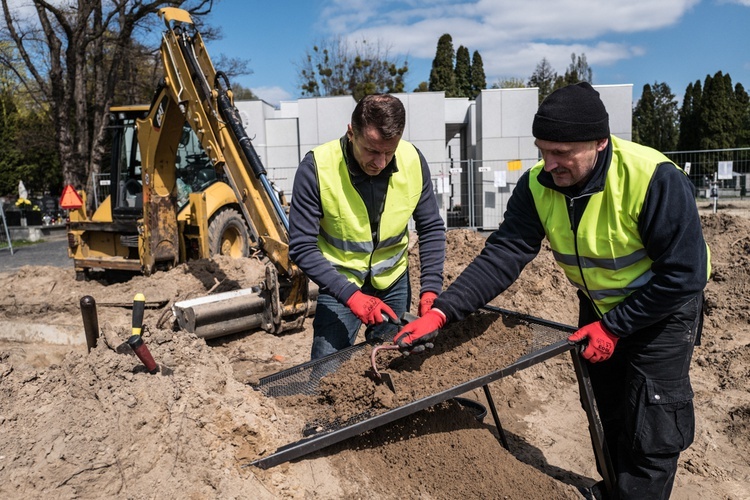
pixel 645 400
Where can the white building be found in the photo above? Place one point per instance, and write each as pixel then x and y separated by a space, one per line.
pixel 477 150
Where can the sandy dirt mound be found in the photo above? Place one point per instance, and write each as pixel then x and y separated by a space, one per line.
pixel 78 424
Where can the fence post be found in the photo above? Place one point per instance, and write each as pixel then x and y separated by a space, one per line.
pixel 470 190
pixel 6 231
pixel 715 192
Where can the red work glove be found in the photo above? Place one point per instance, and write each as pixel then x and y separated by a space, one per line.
pixel 425 302
pixel 601 343
pixel 369 309
pixel 417 335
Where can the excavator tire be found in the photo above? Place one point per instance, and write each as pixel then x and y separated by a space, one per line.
pixel 228 234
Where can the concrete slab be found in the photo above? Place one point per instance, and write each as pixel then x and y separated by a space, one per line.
pixel 39 332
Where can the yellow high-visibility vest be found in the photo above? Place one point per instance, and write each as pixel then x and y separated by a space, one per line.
pixel 345 237
pixel 606 258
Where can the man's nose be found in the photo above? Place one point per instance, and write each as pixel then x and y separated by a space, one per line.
pixel 381 160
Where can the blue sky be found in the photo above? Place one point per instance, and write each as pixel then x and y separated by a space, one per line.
pixel 625 41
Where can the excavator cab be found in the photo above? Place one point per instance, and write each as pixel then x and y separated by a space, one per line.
pixel 125 168
pixel 194 169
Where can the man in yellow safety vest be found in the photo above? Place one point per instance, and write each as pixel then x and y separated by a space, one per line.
pixel 351 204
pixel 623 224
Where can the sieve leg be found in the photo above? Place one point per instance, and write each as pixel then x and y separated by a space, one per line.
pixel 601 451
pixel 495 417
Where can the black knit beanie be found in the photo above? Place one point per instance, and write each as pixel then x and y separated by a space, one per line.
pixel 572 114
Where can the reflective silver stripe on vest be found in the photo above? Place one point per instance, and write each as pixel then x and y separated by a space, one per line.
pixel 347 246
pixel 609 264
pixel 393 241
pixel 389 263
pixel 361 275
pixel 616 292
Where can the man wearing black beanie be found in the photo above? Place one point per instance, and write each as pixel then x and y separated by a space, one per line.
pixel 623 224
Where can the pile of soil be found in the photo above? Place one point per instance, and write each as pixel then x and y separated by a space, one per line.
pixel 482 344
pixel 95 424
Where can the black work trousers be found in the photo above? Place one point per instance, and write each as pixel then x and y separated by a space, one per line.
pixel 645 400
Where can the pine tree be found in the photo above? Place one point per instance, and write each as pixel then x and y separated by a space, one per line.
pixel 690 133
pixel 716 120
pixel 543 77
pixel 655 118
pixel 643 118
pixel 478 78
pixel 743 109
pixel 463 72
pixel 442 75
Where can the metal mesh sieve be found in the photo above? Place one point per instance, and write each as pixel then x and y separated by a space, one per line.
pixel 548 339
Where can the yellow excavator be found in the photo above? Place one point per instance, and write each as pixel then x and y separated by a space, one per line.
pixel 187 183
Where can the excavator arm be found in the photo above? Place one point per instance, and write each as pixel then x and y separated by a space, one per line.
pixel 193 91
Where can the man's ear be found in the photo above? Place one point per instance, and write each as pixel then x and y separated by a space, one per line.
pixel 601 144
pixel 349 132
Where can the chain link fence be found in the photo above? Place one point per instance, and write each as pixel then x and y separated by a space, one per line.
pixel 726 170
pixel 474 193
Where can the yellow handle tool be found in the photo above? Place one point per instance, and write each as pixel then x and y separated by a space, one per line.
pixel 139 304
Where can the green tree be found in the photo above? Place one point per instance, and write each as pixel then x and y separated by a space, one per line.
pixel 10 157
pixel 242 93
pixel 689 136
pixel 463 72
pixel 442 75
pixel 578 71
pixel 422 87
pixel 655 118
pixel 28 150
pixel 374 71
pixel 478 78
pixel 72 57
pixel 509 82
pixel 336 67
pixel 743 109
pixel 543 77
pixel 35 141
pixel 717 119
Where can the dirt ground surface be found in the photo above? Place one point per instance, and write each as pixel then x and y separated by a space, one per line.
pixel 79 424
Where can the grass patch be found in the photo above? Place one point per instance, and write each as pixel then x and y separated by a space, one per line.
pixel 20 243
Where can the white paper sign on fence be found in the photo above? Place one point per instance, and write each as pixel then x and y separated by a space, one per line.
pixel 725 170
pixel 500 178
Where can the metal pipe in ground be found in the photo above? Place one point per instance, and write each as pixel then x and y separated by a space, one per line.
pixel 90 321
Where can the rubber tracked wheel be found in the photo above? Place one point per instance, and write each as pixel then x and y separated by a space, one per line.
pixel 228 234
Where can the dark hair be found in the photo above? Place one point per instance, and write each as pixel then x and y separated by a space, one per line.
pixel 383 111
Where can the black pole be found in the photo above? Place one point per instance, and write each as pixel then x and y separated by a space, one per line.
pixel 90 321
pixel 601 452
pixel 496 417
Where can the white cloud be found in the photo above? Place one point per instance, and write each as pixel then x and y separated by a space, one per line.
pixel 512 36
pixel 272 95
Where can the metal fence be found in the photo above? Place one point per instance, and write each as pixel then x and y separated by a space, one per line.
pixel 100 187
pixel 474 193
pixel 727 171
